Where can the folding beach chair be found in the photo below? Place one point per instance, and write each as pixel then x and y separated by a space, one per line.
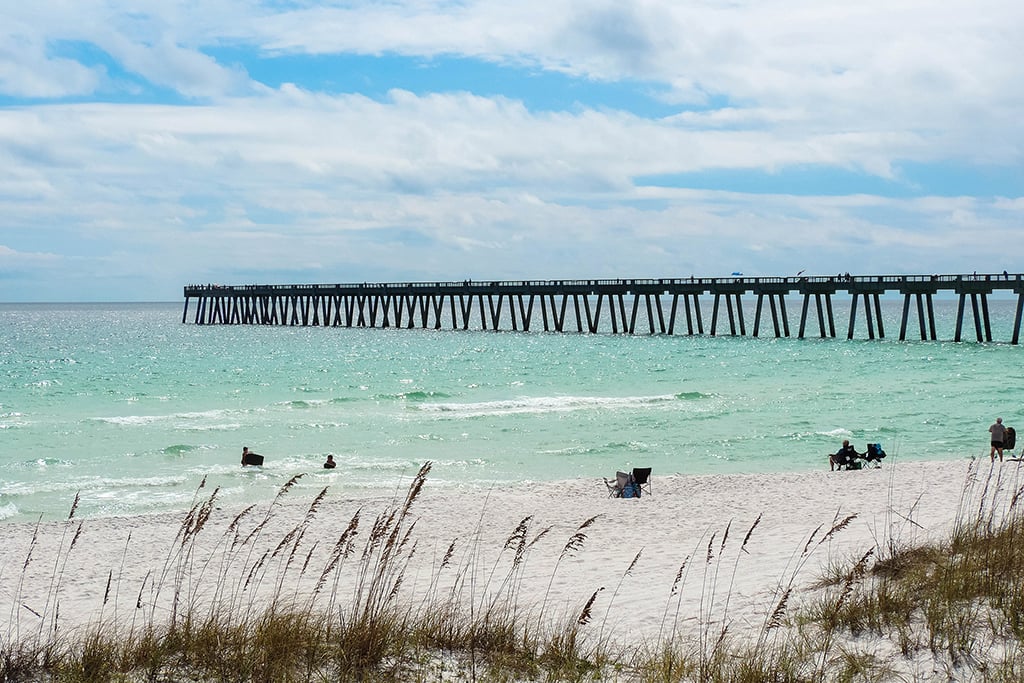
pixel 874 453
pixel 615 488
pixel 642 478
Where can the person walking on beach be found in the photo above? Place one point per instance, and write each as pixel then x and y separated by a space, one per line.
pixel 998 432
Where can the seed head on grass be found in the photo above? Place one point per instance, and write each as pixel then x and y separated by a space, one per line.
pixel 810 539
pixel 74 504
pixel 856 573
pixel 295 546
pixel 342 549
pixel 205 511
pixel 575 541
pixel 629 569
pixel 285 541
pixel 417 484
pixel 142 587
pixel 448 554
pixel 837 527
pixel 540 534
pixel 780 610
pixel 679 575
pixel 311 512
pixel 106 593
pixel 750 532
pixel 516 541
pixel 255 568
pixel 74 539
pixel 1016 497
pixel 309 556
pixel 377 534
pixel 587 612
pixel 287 486
pixel 32 544
pixel 233 526
pixel 721 638
pixel 518 535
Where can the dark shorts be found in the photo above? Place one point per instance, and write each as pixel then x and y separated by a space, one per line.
pixel 997 444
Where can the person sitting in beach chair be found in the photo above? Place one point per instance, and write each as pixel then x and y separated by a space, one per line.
pixel 617 487
pixel 845 458
pixel 874 454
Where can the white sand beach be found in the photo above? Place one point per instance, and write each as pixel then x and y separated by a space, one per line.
pixel 729 576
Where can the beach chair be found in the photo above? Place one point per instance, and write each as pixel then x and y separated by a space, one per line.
pixel 642 478
pixel 616 487
pixel 874 454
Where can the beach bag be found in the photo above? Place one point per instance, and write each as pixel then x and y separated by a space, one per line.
pixel 630 491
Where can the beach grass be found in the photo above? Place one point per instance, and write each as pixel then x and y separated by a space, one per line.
pixel 236 605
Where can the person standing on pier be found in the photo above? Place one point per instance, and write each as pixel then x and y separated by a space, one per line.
pixel 998 432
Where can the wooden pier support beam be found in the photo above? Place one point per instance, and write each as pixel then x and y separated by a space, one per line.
pixel 757 315
pixel 695 316
pixel 922 315
pixel 872 315
pixel 739 315
pixel 775 310
pixel 1017 318
pixel 825 314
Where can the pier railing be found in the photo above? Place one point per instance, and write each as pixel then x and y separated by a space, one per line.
pixel 652 306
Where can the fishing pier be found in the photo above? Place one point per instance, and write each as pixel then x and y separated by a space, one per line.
pixel 673 306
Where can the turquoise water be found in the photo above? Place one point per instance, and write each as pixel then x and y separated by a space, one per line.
pixel 129 407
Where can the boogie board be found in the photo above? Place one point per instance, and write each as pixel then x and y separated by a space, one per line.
pixel 253 459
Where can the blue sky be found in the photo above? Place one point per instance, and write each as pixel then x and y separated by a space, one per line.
pixel 153 144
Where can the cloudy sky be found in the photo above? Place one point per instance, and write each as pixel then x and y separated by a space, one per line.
pixel 150 144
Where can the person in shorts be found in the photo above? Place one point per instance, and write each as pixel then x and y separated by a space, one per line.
pixel 998 432
pixel 844 457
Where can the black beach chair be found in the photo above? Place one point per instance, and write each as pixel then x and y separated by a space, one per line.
pixel 642 478
pixel 874 454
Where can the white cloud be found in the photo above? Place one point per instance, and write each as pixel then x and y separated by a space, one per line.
pixel 251 180
pixel 26 70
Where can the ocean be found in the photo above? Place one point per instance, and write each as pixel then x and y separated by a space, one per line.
pixel 128 408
